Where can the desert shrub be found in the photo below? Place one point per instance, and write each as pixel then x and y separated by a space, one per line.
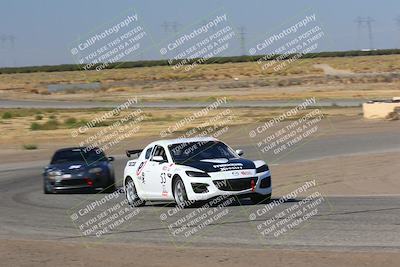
pixel 70 121
pixel 29 146
pixel 7 115
pixel 48 125
pixel 35 126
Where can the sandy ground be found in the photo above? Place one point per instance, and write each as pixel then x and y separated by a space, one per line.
pixel 50 253
pixel 355 175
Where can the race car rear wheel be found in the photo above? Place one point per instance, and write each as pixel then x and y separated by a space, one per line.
pixel 260 199
pixel 180 195
pixel 131 194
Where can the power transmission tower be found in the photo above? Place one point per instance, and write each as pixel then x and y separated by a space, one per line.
pixel 175 26
pixel 3 40
pixel 170 26
pixel 397 19
pixel 242 38
pixel 359 22
pixel 8 44
pixel 165 26
pixel 12 42
pixel 365 21
pixel 368 21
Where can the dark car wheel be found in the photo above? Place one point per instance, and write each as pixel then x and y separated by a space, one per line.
pixel 131 194
pixel 110 187
pixel 47 188
pixel 260 199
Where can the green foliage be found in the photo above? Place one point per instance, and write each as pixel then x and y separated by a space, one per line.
pixel 70 121
pixel 35 126
pixel 48 125
pixel 6 115
pixel 216 60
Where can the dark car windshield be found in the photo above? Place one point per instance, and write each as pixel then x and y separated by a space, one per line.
pixel 195 151
pixel 77 154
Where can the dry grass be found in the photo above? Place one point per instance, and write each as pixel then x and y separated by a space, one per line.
pixel 16 131
pixel 301 79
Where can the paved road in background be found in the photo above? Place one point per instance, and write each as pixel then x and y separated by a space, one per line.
pixel 169 104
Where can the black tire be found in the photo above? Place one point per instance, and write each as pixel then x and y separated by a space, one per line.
pixel 180 195
pixel 110 188
pixel 260 199
pixel 131 194
pixel 46 189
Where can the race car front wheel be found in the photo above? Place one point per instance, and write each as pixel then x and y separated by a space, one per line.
pixel 131 194
pixel 180 195
pixel 47 188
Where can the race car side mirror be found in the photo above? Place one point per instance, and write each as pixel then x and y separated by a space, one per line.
pixel 159 159
pixel 239 152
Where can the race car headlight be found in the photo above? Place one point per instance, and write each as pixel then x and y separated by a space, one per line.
pixel 95 170
pixel 262 168
pixel 197 174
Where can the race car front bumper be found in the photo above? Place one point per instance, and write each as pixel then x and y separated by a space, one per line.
pixel 205 188
pixel 71 182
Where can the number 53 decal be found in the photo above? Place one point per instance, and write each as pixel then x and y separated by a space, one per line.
pixel 163 178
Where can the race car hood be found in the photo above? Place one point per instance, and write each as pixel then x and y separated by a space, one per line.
pixel 73 167
pixel 217 165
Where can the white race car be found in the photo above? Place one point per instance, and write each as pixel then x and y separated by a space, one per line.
pixel 193 169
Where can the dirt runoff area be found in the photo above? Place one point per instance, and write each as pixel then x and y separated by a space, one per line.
pixel 55 253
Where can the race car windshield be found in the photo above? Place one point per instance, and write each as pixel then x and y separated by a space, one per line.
pixel 195 151
pixel 74 155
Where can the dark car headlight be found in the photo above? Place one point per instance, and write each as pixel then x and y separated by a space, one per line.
pixel 52 175
pixel 197 174
pixel 262 168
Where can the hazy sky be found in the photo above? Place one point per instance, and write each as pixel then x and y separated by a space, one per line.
pixel 45 30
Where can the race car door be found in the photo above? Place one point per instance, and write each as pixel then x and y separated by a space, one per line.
pixel 155 177
pixel 140 172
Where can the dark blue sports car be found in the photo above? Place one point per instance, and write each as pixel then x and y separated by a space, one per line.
pixel 78 168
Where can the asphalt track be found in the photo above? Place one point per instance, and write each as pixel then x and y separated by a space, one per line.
pixel 170 104
pixel 342 223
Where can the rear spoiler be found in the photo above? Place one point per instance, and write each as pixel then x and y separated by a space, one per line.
pixel 133 152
